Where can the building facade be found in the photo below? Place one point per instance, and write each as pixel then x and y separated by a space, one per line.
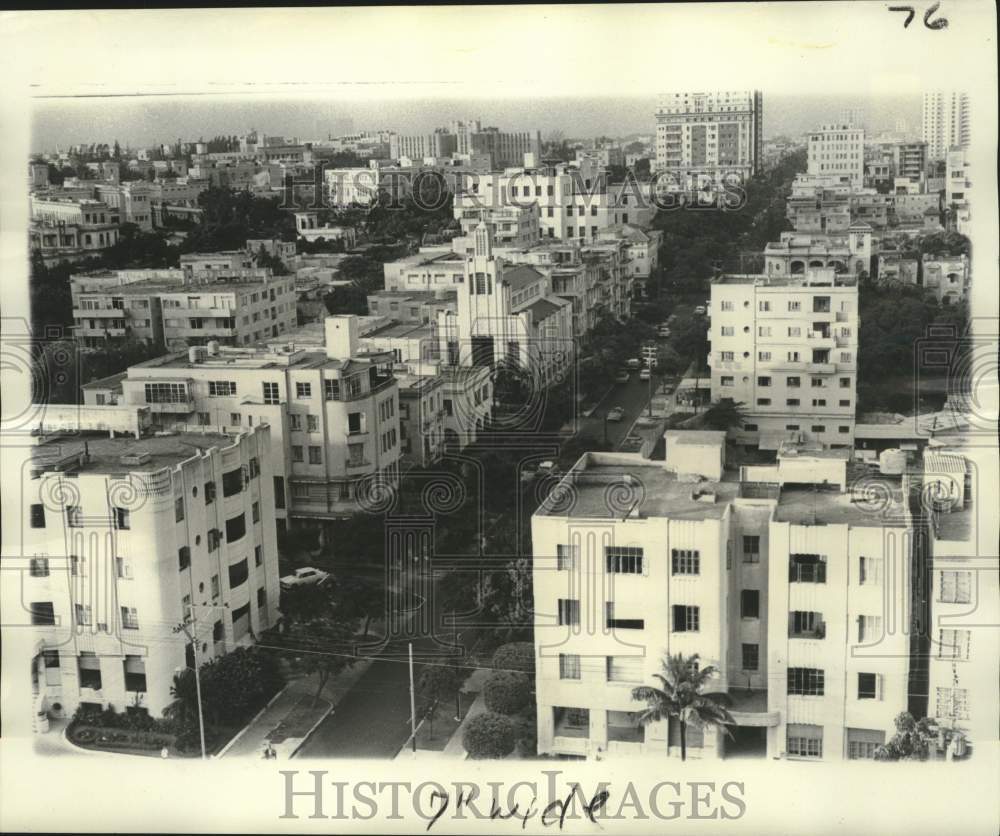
pixel 945 122
pixel 838 151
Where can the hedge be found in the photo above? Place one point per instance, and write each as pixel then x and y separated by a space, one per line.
pixel 506 692
pixel 489 735
pixel 515 656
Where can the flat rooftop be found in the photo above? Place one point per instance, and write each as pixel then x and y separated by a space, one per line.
pixel 105 453
pixel 255 358
pixel 608 491
pixel 112 381
pixel 882 506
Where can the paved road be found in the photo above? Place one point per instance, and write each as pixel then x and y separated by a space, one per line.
pixel 631 396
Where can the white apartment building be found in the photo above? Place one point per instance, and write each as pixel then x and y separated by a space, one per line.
pixel 333 414
pixel 68 228
pixel 963 596
pixel 787 349
pixel 958 189
pixel 757 572
pixel 712 134
pixel 512 226
pixel 507 314
pixel 947 277
pixel 124 539
pixel 848 252
pixel 838 151
pixel 945 122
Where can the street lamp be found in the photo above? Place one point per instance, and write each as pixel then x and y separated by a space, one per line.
pixel 183 628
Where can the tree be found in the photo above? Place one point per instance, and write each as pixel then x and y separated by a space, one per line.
pixel 319 646
pixel 680 696
pixel 238 684
pixel 184 690
pixel 359 598
pixel 912 740
pixel 506 692
pixel 439 682
pixel 515 656
pixel 723 414
pixel 489 735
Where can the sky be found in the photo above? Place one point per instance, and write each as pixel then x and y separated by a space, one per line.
pixel 145 120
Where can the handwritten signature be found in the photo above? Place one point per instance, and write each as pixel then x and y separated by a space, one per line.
pixel 554 812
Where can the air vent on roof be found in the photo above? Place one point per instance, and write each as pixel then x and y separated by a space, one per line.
pixel 135 459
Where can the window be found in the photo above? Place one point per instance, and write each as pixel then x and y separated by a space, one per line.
pixel 315 455
pixel 39 567
pixel 74 516
pixel 355 423
pixel 751 548
pixel 279 492
pixel 623 668
pixel 166 393
pixel 818 428
pixel 804 624
pixel 817 382
pixel 258 555
pixel 236 528
pixel 862 743
pixel 238 573
pixel 623 560
pixel 221 388
pixel 183 558
pixel 868 686
pixel 130 618
pixel 179 509
pixel 89 667
pixel 845 383
pixel 869 570
pixel 727 380
pixel 804 740
pixel 612 622
pixel 763 401
pixel 43 613
pixel 294 421
pixel 122 518
pixel 794 306
pixel 953 702
pixel 750 603
pixel 215 586
pixel 303 390
pixel 209 493
pixel 763 381
pixel 232 482
pixel 793 382
pixel 331 389
pixel 806 682
pixel 135 673
pixel 751 657
pixel 728 331
pixel 685 562
pixel 312 423
pixel 569 666
pixel 569 612
pixel 727 305
pixel 726 356
pixel 869 627
pixel 819 401
pixel 271 393
pixel 297 453
pixel 566 557
pixel 807 568
pixel 37 515
pixel 955 587
pixel 954 644
pixel 686 619
pixel 571 722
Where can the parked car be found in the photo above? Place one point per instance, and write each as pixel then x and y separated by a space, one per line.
pixel 663 331
pixel 634 363
pixel 306 576
pixel 700 310
pixel 622 376
pixel 616 414
pixel 645 374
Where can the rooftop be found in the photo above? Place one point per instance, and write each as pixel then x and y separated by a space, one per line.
pixel 112 381
pixel 521 276
pixel 103 454
pixel 266 357
pixel 881 505
pixel 607 486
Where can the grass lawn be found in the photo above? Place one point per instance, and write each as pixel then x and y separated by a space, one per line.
pixel 435 732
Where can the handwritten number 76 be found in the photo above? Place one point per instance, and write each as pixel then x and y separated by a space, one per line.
pixel 940 23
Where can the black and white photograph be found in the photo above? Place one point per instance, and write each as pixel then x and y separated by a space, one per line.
pixel 570 418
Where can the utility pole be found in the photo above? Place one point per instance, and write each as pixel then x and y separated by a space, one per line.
pixel 413 706
pixel 182 628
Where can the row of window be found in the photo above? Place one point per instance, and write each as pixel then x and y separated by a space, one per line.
pixel 817 402
pixel 818 356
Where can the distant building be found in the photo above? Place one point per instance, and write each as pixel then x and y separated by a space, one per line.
pixel 838 151
pixel 947 277
pixel 945 122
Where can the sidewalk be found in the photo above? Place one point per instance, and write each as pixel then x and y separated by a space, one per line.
pixel 288 721
pixel 453 749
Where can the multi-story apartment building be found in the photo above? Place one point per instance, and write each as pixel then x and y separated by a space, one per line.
pixel 421 417
pixel 773 575
pixel 838 151
pixel 787 349
pixel 909 159
pixel 957 190
pixel 64 228
pixel 181 308
pixel 714 135
pixel 898 266
pixel 847 253
pixel 945 122
pixel 333 414
pixel 507 314
pixel 125 539
pixel 132 200
pixel 963 597
pixel 512 226
pixel 440 143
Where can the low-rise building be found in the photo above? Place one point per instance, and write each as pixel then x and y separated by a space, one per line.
pixel 795 252
pixel 947 277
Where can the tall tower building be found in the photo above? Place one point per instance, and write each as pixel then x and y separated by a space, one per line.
pixel 710 134
pixel 946 122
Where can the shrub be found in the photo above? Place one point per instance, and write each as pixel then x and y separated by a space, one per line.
pixel 489 736
pixel 515 656
pixel 506 692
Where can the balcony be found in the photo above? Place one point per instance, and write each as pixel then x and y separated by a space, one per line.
pixel 817 633
pixel 354 465
pixel 180 406
pixel 821 368
pixel 97 313
pixel 749 708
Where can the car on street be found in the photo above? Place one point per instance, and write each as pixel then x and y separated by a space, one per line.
pixel 700 310
pixel 634 363
pixel 645 374
pixel 306 576
pixel 616 414
pixel 622 376
pixel 663 331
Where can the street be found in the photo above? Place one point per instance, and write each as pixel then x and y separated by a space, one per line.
pixel 632 397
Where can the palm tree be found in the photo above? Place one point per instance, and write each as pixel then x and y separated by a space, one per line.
pixel 184 708
pixel 681 697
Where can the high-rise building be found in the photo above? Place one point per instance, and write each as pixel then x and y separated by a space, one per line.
pixel 124 539
pixel 796 592
pixel 786 348
pixel 710 134
pixel 838 151
pixel 945 122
